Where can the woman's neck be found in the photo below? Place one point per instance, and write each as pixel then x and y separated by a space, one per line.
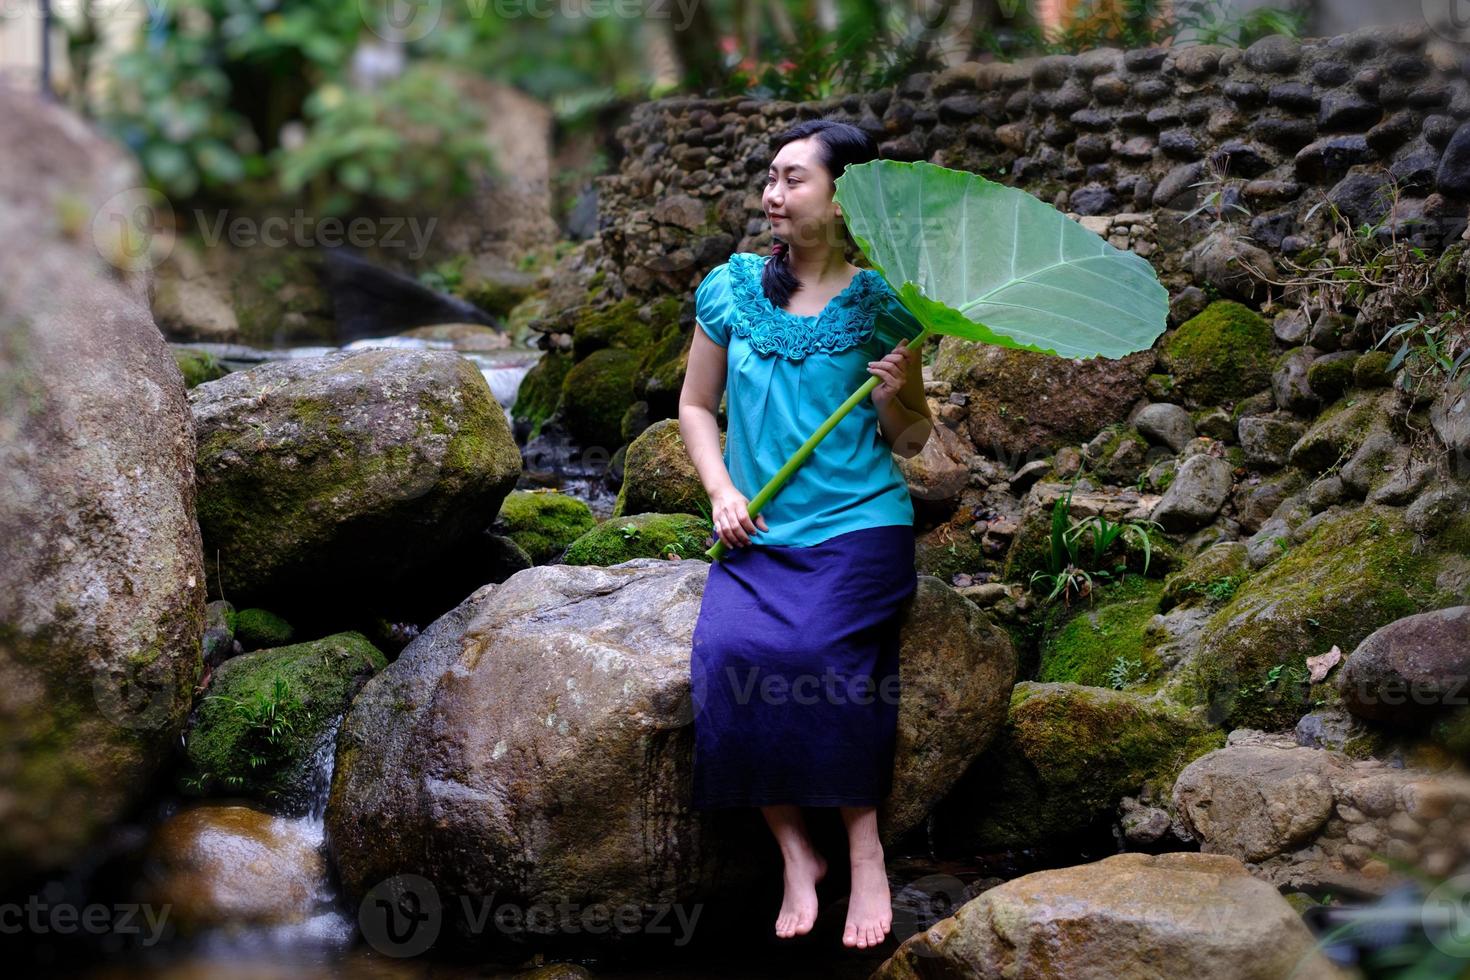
pixel 818 265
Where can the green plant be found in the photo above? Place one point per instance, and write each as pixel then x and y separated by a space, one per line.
pixel 1219 591
pixel 267 719
pixel 1434 349
pixel 1125 671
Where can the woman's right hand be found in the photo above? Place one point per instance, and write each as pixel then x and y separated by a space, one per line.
pixel 730 512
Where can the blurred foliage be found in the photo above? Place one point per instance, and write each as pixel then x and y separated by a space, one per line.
pixel 414 138
pixel 1140 24
pixel 333 99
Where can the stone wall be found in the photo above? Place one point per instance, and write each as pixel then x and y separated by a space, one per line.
pixel 1113 136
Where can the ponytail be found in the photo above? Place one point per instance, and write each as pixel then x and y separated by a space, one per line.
pixel 777 279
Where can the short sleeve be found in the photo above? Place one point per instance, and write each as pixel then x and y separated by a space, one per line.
pixel 714 304
pixel 894 322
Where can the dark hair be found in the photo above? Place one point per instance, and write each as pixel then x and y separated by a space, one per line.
pixel 838 144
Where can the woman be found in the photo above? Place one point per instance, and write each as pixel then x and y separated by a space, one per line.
pixel 794 665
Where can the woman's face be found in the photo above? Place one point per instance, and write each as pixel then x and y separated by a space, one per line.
pixel 798 195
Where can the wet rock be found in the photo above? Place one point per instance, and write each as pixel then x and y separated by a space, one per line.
pixel 1114 917
pixel 358 468
pixel 103 607
pixel 582 706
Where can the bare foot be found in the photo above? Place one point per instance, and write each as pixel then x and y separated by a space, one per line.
pixel 869 911
pixel 799 904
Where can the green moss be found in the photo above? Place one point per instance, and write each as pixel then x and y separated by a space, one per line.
pixel 543 522
pixel 618 325
pixel 540 392
pixel 1340 429
pixel 1354 574
pixel 1220 355
pixel 658 475
pixel 1213 576
pixel 1107 642
pixel 595 394
pixel 231 748
pixel 256 628
pixel 198 366
pixel 1329 377
pixel 1068 755
pixel 641 536
pixel 1371 370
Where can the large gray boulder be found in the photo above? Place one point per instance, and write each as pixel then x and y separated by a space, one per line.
pixel 101 570
pixel 535 744
pixel 356 468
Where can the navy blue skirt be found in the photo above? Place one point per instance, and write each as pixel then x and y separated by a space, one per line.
pixel 794 671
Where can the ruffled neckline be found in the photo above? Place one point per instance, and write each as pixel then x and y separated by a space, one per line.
pixel 846 321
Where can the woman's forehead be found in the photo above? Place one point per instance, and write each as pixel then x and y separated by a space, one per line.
pixel 800 153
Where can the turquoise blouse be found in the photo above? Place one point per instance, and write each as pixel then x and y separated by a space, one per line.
pixel 784 375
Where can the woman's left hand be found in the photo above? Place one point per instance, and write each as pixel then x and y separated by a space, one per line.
pixel 893 372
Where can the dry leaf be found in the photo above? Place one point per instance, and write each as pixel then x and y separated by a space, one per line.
pixel 1322 663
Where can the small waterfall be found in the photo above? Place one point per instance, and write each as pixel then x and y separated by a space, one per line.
pixel 328 930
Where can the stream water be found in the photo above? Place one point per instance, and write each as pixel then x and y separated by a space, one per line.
pixel 323 937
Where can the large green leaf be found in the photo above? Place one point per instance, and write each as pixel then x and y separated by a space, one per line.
pixel 991 263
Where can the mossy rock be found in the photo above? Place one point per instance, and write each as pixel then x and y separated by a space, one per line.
pixel 229 747
pixel 1371 370
pixel 621 539
pixel 1355 572
pixel 198 366
pixel 1068 755
pixel 1214 575
pixel 946 559
pixel 1330 376
pixel 658 475
pixel 1220 355
pixel 539 395
pixel 1341 429
pixel 624 325
pixel 1107 642
pixel 596 393
pixel 543 522
pixel 260 628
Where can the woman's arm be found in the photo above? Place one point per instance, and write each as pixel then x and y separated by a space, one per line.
pixel 904 418
pixel 699 402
